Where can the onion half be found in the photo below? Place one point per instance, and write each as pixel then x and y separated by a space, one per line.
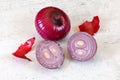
pixel 82 46
pixel 49 54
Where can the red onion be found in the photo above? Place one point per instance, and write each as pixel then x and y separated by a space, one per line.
pixel 82 46
pixel 52 23
pixel 49 54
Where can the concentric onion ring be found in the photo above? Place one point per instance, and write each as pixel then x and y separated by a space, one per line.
pixel 49 54
pixel 82 46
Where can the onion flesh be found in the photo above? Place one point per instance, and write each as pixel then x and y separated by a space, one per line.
pixel 82 46
pixel 49 54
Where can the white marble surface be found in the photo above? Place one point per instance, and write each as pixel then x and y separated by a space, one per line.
pixel 17 25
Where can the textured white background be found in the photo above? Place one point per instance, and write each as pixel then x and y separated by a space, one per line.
pixel 17 25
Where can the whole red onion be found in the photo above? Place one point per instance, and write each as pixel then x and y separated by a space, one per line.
pixel 82 46
pixel 52 23
pixel 49 54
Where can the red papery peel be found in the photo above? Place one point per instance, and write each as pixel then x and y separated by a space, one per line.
pixel 23 49
pixel 90 27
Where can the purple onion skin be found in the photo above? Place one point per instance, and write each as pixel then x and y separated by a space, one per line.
pixel 49 54
pixel 82 46
pixel 52 23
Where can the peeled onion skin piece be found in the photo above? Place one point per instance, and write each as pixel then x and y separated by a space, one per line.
pixel 90 27
pixel 82 46
pixel 23 49
pixel 49 54
pixel 52 23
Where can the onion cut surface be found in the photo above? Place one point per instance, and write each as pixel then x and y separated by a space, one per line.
pixel 49 54
pixel 82 46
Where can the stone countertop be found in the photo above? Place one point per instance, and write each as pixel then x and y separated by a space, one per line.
pixel 17 25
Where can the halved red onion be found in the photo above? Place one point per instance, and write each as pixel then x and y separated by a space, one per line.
pixel 52 23
pixel 82 46
pixel 49 54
